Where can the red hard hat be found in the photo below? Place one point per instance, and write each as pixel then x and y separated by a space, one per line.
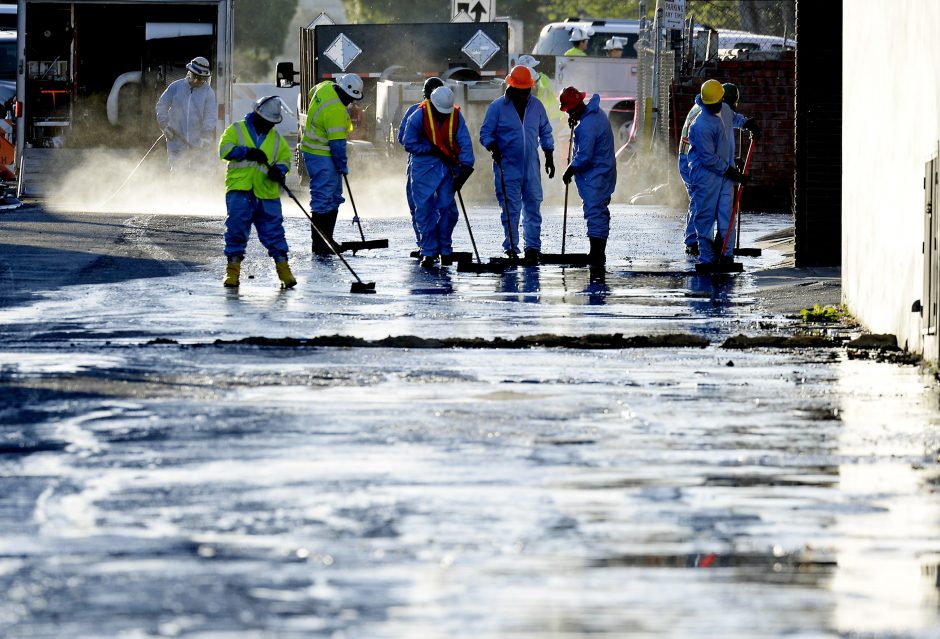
pixel 570 98
pixel 519 77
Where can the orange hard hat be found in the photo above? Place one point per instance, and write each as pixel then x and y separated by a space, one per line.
pixel 571 98
pixel 519 77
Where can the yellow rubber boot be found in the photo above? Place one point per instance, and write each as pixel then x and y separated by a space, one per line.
pixel 283 272
pixel 232 271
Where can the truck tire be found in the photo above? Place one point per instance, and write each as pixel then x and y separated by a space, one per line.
pixel 621 121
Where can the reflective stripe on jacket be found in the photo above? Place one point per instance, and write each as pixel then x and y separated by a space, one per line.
pixel 327 119
pixel 245 175
pixel 443 136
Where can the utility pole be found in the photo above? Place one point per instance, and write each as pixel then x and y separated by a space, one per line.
pixel 657 50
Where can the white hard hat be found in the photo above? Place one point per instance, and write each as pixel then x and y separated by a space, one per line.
pixel 199 66
pixel 534 74
pixel 613 43
pixel 443 99
pixel 269 107
pixel 578 34
pixel 351 85
pixel 527 60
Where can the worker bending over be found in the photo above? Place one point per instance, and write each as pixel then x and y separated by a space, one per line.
pixel 437 138
pixel 513 129
pixel 593 167
pixel 712 171
pixel 187 113
pixel 324 150
pixel 429 85
pixel 258 159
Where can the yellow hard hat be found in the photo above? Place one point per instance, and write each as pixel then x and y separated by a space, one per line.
pixel 712 92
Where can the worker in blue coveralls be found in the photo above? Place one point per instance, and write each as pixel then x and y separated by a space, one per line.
pixel 437 138
pixel 429 85
pixel 324 151
pixel 513 129
pixel 593 167
pixel 712 171
pixel 258 159
pixel 187 114
pixel 730 98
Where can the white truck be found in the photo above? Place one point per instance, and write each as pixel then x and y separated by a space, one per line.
pixel 614 79
pixel 90 71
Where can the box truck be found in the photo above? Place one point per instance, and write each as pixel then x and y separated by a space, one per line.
pixel 89 73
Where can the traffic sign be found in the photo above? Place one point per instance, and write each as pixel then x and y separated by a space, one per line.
pixel 477 10
pixel 673 14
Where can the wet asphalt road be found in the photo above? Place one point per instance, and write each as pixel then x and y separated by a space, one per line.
pixel 188 489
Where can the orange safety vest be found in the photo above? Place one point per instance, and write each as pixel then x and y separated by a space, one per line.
pixel 444 136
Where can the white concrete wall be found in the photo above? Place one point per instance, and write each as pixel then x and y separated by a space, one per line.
pixel 891 125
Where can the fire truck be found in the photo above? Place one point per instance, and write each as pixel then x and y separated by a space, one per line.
pixel 393 61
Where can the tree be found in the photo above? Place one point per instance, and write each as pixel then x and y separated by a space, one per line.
pixel 260 26
pixel 379 11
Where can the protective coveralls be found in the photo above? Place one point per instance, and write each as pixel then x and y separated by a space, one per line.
pixel 251 196
pixel 432 177
pixel 690 239
pixel 408 196
pixel 518 141
pixel 324 151
pixel 711 153
pixel 187 115
pixel 595 167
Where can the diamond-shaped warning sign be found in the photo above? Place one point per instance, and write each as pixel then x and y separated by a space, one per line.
pixel 342 51
pixel 480 48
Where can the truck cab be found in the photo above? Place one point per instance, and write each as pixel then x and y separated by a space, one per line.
pixel 614 79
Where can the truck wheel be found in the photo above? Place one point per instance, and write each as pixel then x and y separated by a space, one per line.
pixel 621 121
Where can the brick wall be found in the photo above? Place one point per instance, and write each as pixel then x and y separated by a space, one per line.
pixel 767 94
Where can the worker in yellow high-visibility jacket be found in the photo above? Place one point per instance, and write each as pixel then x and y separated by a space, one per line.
pixel 258 159
pixel 324 150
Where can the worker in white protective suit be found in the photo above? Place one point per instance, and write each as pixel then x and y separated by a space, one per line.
pixel 187 115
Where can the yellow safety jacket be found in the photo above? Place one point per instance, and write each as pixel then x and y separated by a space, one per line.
pixel 245 175
pixel 574 52
pixel 327 119
pixel 546 95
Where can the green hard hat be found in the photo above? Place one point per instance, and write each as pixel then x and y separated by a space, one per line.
pixel 731 94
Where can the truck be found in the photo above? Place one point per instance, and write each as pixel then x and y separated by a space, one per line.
pixel 393 61
pixel 90 72
pixel 614 79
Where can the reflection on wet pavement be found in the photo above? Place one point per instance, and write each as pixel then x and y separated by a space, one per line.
pixel 233 490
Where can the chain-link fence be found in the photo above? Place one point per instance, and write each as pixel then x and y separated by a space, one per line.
pixel 714 30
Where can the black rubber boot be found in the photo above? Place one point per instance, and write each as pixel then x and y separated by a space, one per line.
pixel 597 256
pixel 531 257
pixel 326 222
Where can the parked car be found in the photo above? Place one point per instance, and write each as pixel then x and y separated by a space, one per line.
pixel 731 40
